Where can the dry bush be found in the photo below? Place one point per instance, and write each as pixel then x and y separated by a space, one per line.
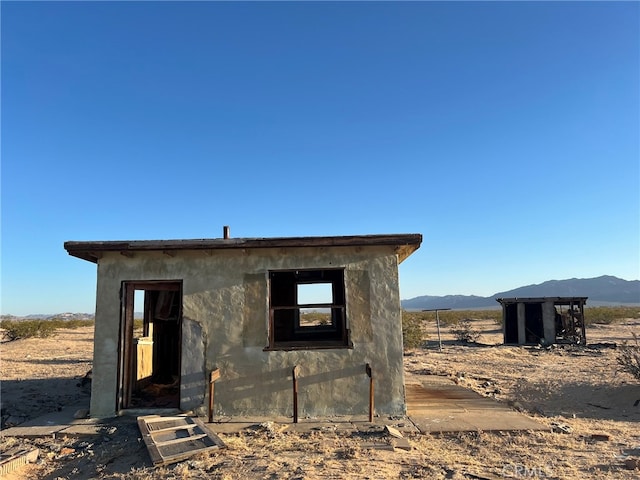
pixel 16 329
pixel 451 317
pixel 464 331
pixel 629 357
pixel 413 335
pixel 609 315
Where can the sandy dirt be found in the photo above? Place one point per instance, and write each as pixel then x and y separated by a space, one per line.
pixel 593 408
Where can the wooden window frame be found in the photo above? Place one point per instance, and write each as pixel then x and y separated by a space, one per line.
pixel 283 302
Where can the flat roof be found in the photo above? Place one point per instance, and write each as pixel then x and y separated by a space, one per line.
pixel 405 243
pixel 555 300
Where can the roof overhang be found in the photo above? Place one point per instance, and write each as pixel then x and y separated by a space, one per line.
pixel 405 244
pixel 555 300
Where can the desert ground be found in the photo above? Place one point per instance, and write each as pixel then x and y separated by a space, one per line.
pixel 591 408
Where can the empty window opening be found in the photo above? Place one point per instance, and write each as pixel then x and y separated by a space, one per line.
pixel 307 309
pixel 320 296
pixel 149 366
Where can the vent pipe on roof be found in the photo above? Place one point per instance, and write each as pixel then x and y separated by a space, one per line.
pixel 225 232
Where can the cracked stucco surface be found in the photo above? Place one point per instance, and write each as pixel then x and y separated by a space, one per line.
pixel 225 325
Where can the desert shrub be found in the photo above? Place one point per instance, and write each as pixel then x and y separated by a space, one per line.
pixel 629 357
pixel 608 315
pixel 413 335
pixel 603 315
pixel 452 317
pixel 315 318
pixel 27 328
pixel 463 331
pixel 59 323
pixel 16 329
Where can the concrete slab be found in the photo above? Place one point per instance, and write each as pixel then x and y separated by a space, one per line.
pixel 59 417
pixel 230 427
pixel 378 446
pixel 320 426
pixel 435 405
pixel 253 420
pixel 55 424
pixel 80 430
pixel 405 426
pixel 439 405
pixel 33 431
pixel 334 424
pixel 368 428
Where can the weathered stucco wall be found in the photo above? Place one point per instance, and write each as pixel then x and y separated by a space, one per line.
pixel 225 325
pixel 549 322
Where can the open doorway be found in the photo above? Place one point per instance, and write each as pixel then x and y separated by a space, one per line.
pixel 511 323
pixel 534 325
pixel 150 345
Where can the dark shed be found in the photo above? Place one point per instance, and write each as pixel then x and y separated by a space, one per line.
pixel 543 320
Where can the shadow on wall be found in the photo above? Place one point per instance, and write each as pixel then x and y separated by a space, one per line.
pixel 281 379
pixel 192 379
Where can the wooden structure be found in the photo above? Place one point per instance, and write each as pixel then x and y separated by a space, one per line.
pixel 543 320
pixel 171 439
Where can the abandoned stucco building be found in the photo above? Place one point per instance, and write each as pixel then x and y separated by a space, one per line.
pixel 253 308
pixel 543 320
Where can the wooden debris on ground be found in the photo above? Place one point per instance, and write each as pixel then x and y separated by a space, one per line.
pixel 600 437
pixel 632 463
pixel 398 441
pixel 394 432
pixel 17 457
pixel 557 427
pixel 172 439
pixel 402 444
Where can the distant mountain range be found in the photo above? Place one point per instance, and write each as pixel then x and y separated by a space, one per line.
pixel 50 316
pixel 604 290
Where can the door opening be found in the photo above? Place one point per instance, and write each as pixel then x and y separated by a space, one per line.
pixel 150 345
pixel 511 323
pixel 533 322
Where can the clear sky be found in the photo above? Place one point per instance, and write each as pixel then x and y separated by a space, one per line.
pixel 506 133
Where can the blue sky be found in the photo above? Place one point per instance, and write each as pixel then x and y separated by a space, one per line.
pixel 508 134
